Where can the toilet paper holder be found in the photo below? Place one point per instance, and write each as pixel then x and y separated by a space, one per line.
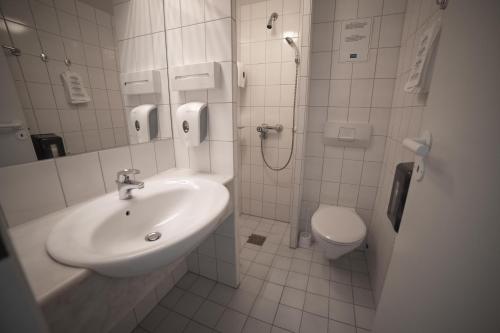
pixel 421 146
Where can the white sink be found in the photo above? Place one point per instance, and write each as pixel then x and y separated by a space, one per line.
pixel 108 235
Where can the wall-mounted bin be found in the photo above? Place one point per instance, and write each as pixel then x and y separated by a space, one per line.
pixel 146 82
pixel 347 134
pixel 195 77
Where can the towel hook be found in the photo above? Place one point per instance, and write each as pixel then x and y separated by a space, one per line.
pixel 12 50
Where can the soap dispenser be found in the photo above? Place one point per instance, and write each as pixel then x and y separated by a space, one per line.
pixel 192 123
pixel 144 123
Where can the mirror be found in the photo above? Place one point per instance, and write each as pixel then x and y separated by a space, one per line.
pixel 91 39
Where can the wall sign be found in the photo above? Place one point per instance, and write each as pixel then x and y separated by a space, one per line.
pixel 355 40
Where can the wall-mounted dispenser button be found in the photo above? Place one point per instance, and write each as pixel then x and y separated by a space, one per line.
pixel 185 126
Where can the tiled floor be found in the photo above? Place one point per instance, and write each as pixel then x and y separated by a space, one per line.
pixel 281 290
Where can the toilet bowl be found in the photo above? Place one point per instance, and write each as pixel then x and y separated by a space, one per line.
pixel 337 230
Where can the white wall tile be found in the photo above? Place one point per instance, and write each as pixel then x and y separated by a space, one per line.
pixel 112 161
pixel 221 155
pixel 218 39
pixel 193 43
pixel 144 159
pixel 30 191
pixel 192 12
pixel 216 9
pixel 81 177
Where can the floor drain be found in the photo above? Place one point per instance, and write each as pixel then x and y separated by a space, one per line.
pixel 153 236
pixel 256 239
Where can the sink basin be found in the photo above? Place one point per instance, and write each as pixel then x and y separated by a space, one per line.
pixel 120 238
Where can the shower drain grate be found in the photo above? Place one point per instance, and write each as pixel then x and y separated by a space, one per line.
pixel 256 239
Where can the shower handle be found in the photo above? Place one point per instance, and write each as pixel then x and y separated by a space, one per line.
pixel 265 128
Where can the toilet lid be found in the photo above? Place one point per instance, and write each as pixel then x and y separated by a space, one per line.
pixel 338 224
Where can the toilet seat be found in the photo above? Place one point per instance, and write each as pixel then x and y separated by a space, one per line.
pixel 339 225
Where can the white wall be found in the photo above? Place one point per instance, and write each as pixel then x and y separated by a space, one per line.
pixel 444 273
pixel 74 30
pixel 405 121
pixel 359 92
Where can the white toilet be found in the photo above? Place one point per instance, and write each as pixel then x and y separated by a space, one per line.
pixel 337 230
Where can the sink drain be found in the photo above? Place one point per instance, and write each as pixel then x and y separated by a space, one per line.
pixel 153 236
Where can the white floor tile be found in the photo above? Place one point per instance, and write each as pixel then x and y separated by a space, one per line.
pixel 318 286
pixel 338 327
pixel 363 297
pixel 221 294
pixel 202 286
pixel 297 281
pixel 209 313
pixel 320 271
pixel 316 304
pixel 364 317
pixel 271 291
pixel 174 323
pixel 154 318
pixel 313 324
pixel 256 326
pixel 187 281
pixel 231 322
pixel 194 327
pixel 293 297
pixel 172 298
pixel 258 270
pixel 341 292
pixel 282 262
pixel 251 284
pixel 300 266
pixel 188 304
pixel 264 310
pixel 242 301
pixel 264 258
pixel 340 275
pixel 288 318
pixel 341 311
pixel 277 276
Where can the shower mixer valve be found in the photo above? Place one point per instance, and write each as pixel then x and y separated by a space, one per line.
pixel 265 128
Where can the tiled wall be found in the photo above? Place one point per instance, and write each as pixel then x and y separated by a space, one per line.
pixel 202 31
pixel 74 30
pixel 359 92
pixel 405 121
pixel 216 258
pixel 35 189
pixel 268 98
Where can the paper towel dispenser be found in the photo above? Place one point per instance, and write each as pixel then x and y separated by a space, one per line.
pixel 192 123
pixel 347 134
pixel 146 82
pixel 143 123
pixel 400 186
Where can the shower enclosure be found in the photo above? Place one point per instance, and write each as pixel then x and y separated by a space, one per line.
pixel 273 46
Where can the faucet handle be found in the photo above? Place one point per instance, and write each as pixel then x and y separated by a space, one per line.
pixel 125 174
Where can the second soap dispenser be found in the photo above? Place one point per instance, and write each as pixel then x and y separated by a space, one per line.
pixel 192 123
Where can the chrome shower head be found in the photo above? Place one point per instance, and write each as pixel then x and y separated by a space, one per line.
pixel 272 18
pixel 290 42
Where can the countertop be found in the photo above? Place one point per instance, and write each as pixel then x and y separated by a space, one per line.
pixel 48 277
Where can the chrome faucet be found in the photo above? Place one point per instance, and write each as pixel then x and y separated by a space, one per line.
pixel 125 184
